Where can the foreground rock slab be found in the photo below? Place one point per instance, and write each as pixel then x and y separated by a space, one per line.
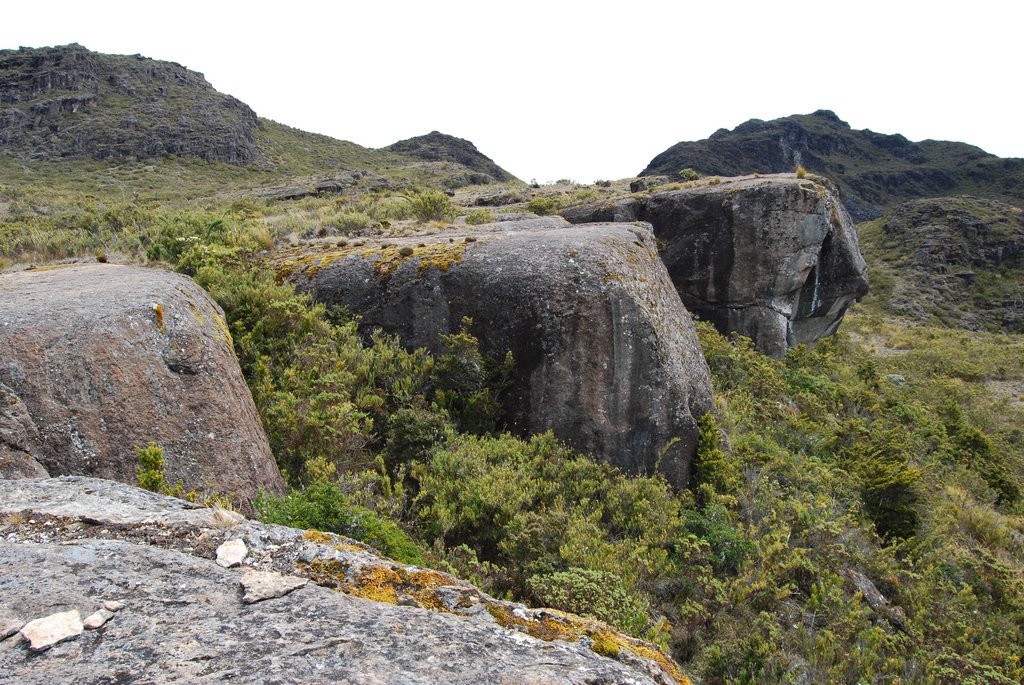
pixel 774 258
pixel 77 542
pixel 108 358
pixel 606 356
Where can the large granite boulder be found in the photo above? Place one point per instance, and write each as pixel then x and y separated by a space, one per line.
pixel 107 358
pixel 605 354
pixel 301 607
pixel 774 258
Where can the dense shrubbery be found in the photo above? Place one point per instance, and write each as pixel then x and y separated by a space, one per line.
pixel 884 453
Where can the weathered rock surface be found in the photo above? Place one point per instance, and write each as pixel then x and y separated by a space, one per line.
pixel 773 258
pixel 605 354
pixel 19 439
pixel 70 102
pixel 70 543
pixel 953 261
pixel 107 358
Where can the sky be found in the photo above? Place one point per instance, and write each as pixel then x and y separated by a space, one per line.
pixel 578 90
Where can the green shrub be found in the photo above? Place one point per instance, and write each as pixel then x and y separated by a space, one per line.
pixel 150 469
pixel 479 216
pixel 544 205
pixel 688 174
pixel 590 592
pixel 323 506
pixel 432 205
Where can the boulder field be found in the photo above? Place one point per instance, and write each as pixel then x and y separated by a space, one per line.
pixel 774 258
pixel 104 582
pixel 100 359
pixel 606 355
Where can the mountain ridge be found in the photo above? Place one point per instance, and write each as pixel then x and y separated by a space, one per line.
pixel 874 171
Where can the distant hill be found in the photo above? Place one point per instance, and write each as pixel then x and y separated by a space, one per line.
pixel 68 103
pixel 441 147
pixel 954 261
pixel 71 102
pixel 874 171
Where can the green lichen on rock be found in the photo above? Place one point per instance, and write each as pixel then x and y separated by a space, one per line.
pixel 386 258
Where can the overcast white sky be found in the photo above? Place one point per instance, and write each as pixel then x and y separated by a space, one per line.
pixel 580 90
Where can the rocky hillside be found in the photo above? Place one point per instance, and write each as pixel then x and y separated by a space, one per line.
pixel 104 578
pixel 955 261
pixel 70 102
pixel 875 171
pixel 439 147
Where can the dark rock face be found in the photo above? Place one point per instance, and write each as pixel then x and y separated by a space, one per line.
pixel 70 102
pixel 773 258
pixel 955 261
pixel 874 171
pixel 606 356
pixel 107 358
pixel 19 439
pixel 439 147
pixel 174 616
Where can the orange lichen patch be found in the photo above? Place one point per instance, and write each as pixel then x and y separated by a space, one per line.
pixel 318 537
pixel 380 582
pixel 377 583
pixel 158 314
pixel 556 625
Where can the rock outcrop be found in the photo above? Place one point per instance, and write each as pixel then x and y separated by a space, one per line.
pixel 773 258
pixel 305 606
pixel 68 101
pixel 605 354
pixel 874 171
pixel 954 261
pixel 440 147
pixel 107 358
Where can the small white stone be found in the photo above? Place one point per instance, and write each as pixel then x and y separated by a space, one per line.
pixel 45 632
pixel 231 553
pixel 113 605
pixel 261 585
pixel 97 619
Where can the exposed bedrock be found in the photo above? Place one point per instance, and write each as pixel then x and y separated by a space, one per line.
pixel 104 359
pixel 605 354
pixel 298 607
pixel 774 258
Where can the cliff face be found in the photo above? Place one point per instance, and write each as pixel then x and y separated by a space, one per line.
pixel 874 171
pixel 67 101
pixel 773 258
pixel 605 354
pixel 104 578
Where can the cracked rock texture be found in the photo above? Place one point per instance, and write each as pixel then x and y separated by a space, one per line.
pixel 605 354
pixel 76 544
pixel 106 358
pixel 774 258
